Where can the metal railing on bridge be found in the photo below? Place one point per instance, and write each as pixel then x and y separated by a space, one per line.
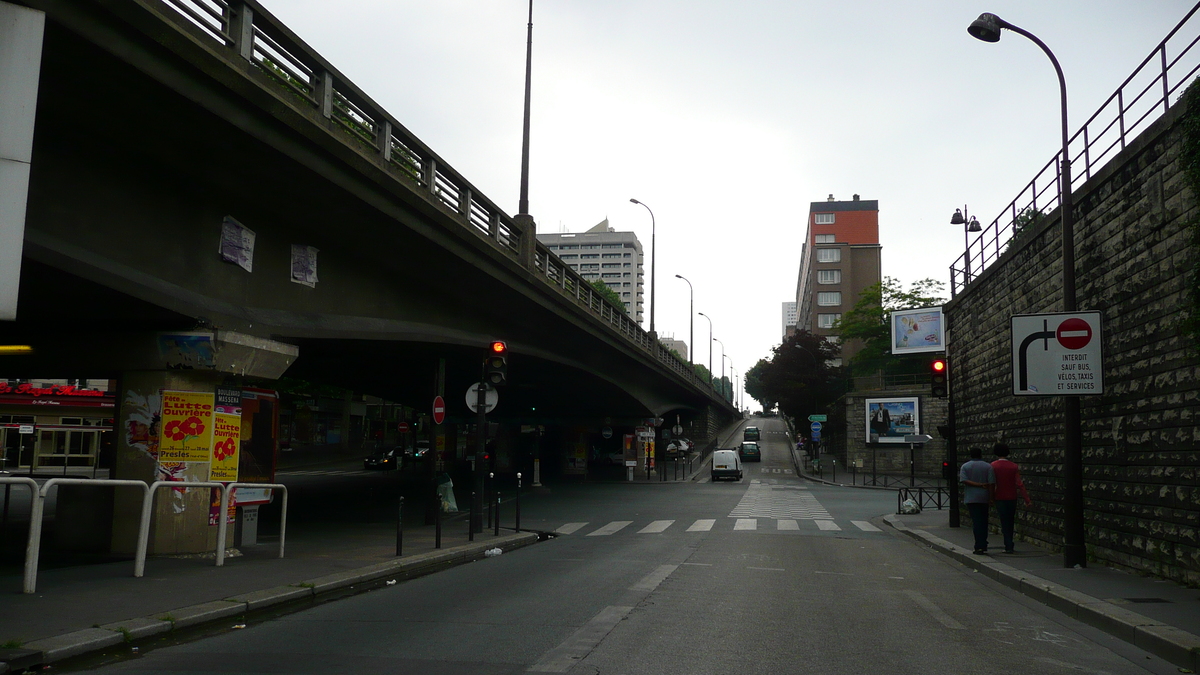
pixel 278 57
pixel 1141 99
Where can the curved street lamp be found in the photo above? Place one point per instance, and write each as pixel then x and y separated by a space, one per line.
pixel 987 28
pixel 710 341
pixel 722 364
pixel 691 318
pixel 653 267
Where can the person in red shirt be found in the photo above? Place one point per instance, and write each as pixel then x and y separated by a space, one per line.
pixel 1008 486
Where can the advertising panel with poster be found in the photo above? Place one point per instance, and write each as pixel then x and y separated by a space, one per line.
pixel 187 420
pixel 918 330
pixel 889 420
pixel 259 445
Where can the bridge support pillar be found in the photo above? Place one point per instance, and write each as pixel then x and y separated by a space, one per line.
pixel 152 443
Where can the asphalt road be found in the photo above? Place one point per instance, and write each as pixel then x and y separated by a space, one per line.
pixel 768 575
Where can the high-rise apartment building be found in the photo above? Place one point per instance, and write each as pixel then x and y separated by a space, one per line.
pixel 840 257
pixel 605 254
pixel 789 318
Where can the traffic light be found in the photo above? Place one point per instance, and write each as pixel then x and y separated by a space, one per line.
pixel 939 377
pixel 495 364
pixel 947 471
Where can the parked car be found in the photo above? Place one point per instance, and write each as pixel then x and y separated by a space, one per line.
pixel 384 458
pixel 750 434
pixel 750 451
pixel 726 464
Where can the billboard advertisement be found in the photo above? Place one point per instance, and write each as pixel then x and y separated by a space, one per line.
pixel 889 420
pixel 918 330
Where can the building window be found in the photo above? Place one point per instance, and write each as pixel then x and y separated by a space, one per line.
pixel 590 256
pixel 589 246
pixel 829 299
pixel 829 255
pixel 823 218
pixel 569 256
pixel 824 239
pixel 829 276
pixel 566 247
pixel 827 320
pixel 610 275
pixel 609 266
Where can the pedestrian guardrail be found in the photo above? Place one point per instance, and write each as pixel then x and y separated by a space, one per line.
pixel 937 497
pixel 38 509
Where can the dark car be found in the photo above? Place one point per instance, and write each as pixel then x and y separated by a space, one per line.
pixel 750 451
pixel 750 434
pixel 384 458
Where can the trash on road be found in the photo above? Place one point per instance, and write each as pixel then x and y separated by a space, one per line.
pixel 493 552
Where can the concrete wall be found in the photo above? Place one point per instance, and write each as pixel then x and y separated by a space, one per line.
pixel 887 457
pixel 1134 256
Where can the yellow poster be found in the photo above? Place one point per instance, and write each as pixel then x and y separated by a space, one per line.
pixel 227 433
pixel 187 421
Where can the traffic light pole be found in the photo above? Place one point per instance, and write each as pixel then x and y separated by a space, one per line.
pixel 952 444
pixel 480 451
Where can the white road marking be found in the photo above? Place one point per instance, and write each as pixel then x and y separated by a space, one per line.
pixel 569 528
pixel 614 526
pixel 652 580
pixel 788 525
pixel 656 527
pixel 865 526
pixel 934 611
pixel 766 569
pixel 702 525
pixel 828 525
pixel 567 654
pixel 746 524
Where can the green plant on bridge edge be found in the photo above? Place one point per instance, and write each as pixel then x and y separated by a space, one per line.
pixel 1189 122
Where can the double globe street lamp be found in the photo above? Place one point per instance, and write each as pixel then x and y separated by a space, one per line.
pixel 962 217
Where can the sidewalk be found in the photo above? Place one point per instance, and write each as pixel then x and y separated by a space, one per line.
pixel 1158 616
pixel 91 608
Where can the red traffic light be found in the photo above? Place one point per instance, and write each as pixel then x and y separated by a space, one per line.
pixel 939 365
pixel 498 347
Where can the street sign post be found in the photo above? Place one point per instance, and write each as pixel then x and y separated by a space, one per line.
pixel 1057 354
pixel 439 410
pixel 491 398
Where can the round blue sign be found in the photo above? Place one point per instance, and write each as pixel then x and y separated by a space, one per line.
pixel 815 426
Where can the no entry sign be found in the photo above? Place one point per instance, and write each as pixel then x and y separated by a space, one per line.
pixel 403 427
pixel 1057 354
pixel 439 410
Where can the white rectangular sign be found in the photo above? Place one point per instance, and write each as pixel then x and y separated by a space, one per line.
pixel 918 330
pixel 1057 354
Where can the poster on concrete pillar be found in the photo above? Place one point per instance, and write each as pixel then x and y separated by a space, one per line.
pixel 227 439
pixel 187 421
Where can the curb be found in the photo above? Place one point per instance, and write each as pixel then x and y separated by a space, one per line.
pixel 52 649
pixel 1169 643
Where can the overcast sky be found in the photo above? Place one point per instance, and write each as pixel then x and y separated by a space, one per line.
pixel 728 117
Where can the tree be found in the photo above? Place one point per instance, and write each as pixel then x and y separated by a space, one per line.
pixel 608 293
pixel 798 377
pixel 870 322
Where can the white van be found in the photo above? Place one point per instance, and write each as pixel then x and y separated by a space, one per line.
pixel 726 464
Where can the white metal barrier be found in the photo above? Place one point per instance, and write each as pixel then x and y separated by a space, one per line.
pixel 39 508
pixel 30 543
pixel 221 525
pixel 139 561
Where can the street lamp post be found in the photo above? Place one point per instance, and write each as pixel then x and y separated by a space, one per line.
pixel 710 341
pixel 653 267
pixel 722 365
pixel 691 319
pixel 987 28
pixel 969 225
pixel 732 375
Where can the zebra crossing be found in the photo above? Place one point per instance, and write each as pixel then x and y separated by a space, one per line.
pixel 711 524
pixel 764 500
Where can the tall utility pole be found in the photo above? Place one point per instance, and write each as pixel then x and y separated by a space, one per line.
pixel 523 206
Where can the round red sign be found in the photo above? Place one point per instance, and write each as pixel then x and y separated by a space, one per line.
pixel 1074 333
pixel 402 427
pixel 439 410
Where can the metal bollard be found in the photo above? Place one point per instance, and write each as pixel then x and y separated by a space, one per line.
pixel 471 520
pixel 437 524
pixel 518 503
pixel 496 532
pixel 492 482
pixel 400 527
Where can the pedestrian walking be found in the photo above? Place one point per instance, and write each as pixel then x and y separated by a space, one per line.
pixel 1008 487
pixel 978 479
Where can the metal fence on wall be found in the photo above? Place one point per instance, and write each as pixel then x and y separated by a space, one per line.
pixel 1141 99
